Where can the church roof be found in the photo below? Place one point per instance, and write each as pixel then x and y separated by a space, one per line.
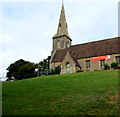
pixel 91 49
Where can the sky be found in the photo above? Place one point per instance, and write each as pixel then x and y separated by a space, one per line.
pixel 27 28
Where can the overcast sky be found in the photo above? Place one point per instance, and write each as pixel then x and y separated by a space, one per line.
pixel 27 28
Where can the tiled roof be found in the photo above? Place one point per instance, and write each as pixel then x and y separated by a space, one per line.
pixel 91 49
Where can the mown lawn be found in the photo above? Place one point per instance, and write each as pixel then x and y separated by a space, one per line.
pixel 86 93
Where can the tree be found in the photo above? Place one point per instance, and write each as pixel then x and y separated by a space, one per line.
pixel 20 69
pixel 44 66
pixel 27 71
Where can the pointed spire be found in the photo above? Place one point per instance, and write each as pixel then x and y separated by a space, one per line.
pixel 62 26
pixel 62 1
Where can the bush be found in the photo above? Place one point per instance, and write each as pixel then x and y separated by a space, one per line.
pixel 118 67
pixel 96 70
pixel 57 70
pixel 114 65
pixel 106 67
pixel 80 71
pixel 51 72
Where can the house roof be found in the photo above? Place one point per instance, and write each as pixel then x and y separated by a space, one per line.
pixel 91 49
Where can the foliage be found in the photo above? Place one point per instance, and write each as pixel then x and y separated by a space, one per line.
pixel 51 72
pixel 57 70
pixel 114 65
pixel 21 69
pixel 80 70
pixel 27 70
pixel 86 93
pixel 44 66
pixel 106 67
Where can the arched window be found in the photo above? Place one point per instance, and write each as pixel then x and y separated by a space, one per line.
pixel 62 44
pixel 66 25
pixel 67 45
pixel 58 44
pixel 59 25
pixel 67 67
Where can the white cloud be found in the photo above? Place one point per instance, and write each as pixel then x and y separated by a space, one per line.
pixel 27 28
pixel 4 38
pixel 5 59
pixel 93 23
pixel 59 1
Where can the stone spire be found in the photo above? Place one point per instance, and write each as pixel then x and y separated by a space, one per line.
pixel 62 26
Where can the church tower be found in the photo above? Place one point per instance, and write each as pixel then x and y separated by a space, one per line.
pixel 61 39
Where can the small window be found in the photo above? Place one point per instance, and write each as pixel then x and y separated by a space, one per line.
pixel 67 67
pixel 102 63
pixel 59 25
pixel 87 63
pixel 58 44
pixel 62 44
pixel 66 25
pixel 67 45
pixel 118 60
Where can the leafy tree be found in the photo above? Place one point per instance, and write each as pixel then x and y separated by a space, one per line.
pixel 13 68
pixel 20 69
pixel 27 71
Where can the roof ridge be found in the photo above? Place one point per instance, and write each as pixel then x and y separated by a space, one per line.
pixel 90 49
pixel 96 41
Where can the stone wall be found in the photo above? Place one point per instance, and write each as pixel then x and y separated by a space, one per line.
pixel 95 65
pixel 53 65
pixel 68 59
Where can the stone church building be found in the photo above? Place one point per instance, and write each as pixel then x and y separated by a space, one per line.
pixel 87 56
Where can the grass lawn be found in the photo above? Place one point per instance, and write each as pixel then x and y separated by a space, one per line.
pixel 86 93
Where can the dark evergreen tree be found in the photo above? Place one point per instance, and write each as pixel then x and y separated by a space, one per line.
pixel 21 69
pixel 43 66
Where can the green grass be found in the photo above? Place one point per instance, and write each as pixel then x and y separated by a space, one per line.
pixel 86 93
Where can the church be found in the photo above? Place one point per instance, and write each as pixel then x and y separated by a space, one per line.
pixel 89 56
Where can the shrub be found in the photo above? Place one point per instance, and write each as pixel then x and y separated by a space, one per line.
pixel 51 72
pixel 96 70
pixel 118 67
pixel 114 65
pixel 57 70
pixel 80 70
pixel 106 67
